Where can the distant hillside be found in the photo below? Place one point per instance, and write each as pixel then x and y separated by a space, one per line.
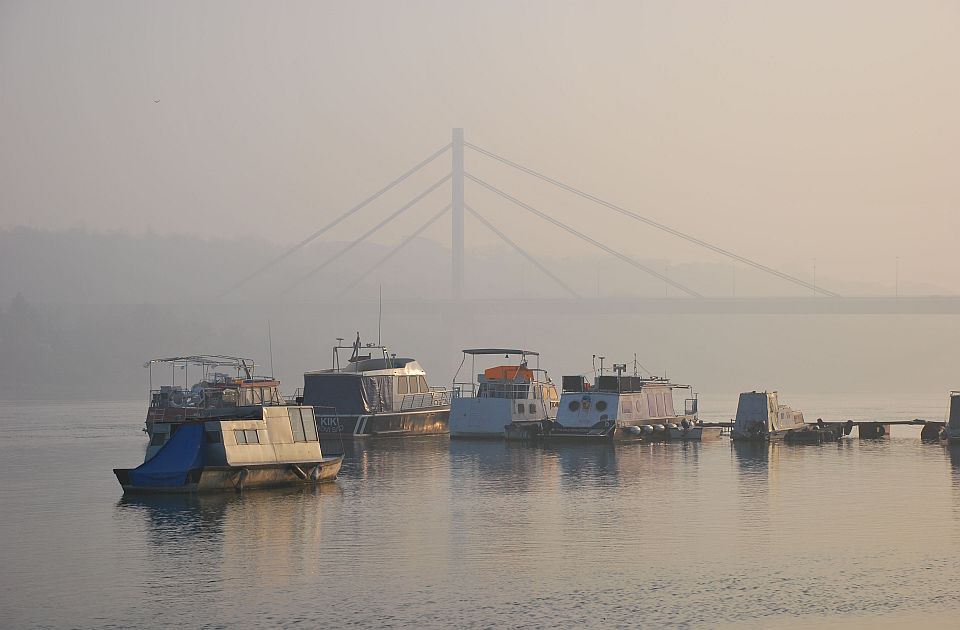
pixel 82 267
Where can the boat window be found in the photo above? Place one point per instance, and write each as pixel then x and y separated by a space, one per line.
pixel 520 408
pixel 296 425
pixel 601 405
pixel 257 397
pixel 402 385
pixel 303 424
pixel 249 436
pixel 651 406
pixel 158 439
pixel 574 405
pixel 661 412
pixel 414 384
pixel 309 425
pixel 423 384
pixel 533 408
pixel 240 436
pixel 626 406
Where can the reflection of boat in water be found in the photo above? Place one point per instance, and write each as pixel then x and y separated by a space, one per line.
pixel 501 395
pixel 761 417
pixel 618 407
pixel 204 441
pixel 375 396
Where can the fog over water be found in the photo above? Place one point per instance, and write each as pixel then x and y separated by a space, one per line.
pixel 155 154
pixel 159 162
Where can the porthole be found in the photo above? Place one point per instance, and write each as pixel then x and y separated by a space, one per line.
pixel 601 405
pixel 574 405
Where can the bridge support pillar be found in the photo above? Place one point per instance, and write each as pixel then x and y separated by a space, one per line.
pixel 456 240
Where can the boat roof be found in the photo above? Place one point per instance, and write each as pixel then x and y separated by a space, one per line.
pixel 211 360
pixel 500 351
pixel 368 365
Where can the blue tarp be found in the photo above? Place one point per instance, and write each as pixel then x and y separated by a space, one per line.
pixel 182 453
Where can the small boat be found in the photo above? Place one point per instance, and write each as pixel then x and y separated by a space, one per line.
pixel 501 395
pixel 761 417
pixel 375 396
pixel 620 408
pixel 220 435
pixel 951 429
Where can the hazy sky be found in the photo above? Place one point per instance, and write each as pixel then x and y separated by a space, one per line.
pixel 785 131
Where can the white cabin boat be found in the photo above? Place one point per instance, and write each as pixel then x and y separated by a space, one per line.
pixel 760 416
pixel 619 407
pixel 501 395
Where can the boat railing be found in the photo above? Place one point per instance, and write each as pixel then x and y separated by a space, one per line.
pixel 434 398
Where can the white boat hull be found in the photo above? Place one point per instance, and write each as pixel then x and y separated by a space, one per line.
pixel 489 417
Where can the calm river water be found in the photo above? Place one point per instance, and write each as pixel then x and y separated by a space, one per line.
pixel 428 532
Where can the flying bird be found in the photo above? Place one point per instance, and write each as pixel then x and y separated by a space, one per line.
pixel 157 101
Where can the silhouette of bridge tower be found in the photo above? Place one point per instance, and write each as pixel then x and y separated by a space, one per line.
pixel 458 208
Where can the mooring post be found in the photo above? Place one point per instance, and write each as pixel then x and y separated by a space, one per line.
pixel 456 240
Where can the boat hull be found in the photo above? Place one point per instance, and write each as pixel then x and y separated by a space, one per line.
pixel 431 421
pixel 236 478
pixel 551 431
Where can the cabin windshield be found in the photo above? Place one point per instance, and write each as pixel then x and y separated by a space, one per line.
pixel 503 389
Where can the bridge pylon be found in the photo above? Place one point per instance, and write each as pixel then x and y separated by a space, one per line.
pixel 456 239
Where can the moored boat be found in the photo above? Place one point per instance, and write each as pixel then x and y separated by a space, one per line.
pixel 501 395
pixel 226 433
pixel 620 408
pixel 951 429
pixel 375 396
pixel 227 388
pixel 761 417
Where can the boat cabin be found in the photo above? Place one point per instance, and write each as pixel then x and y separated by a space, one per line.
pixel 368 384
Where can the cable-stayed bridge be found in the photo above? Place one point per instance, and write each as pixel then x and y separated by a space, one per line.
pixel 687 299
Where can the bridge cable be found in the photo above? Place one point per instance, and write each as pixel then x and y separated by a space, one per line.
pixel 374 229
pixel 396 249
pixel 584 237
pixel 520 251
pixel 340 218
pixel 651 222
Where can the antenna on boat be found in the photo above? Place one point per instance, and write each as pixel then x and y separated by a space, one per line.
pixel 380 315
pixel 270 344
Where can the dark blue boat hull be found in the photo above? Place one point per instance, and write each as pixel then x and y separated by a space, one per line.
pixel 432 421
